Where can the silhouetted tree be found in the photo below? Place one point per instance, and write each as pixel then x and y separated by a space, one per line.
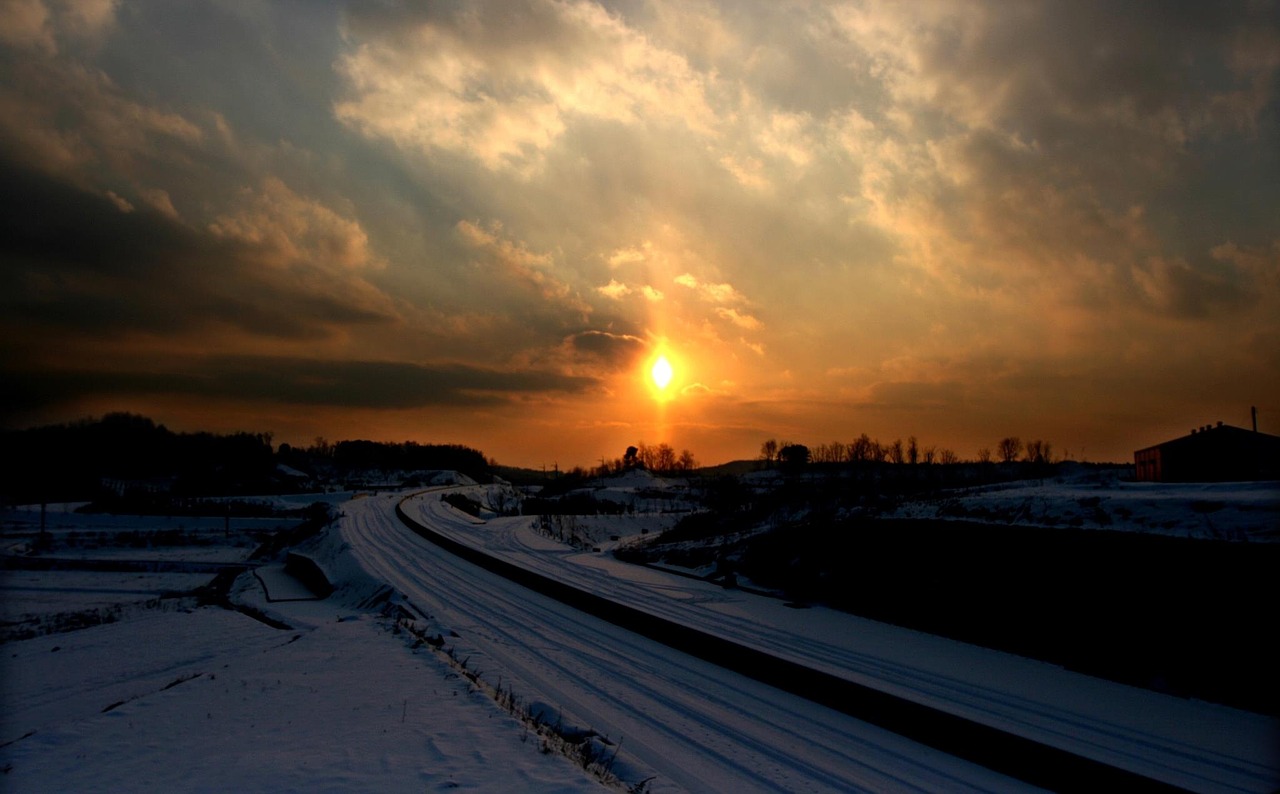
pixel 769 450
pixel 895 451
pixel 794 455
pixel 913 451
pixel 686 462
pixel 1039 452
pixel 861 449
pixel 835 452
pixel 1009 448
pixel 664 457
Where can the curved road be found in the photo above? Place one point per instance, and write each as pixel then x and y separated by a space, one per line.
pixel 692 724
pixel 699 727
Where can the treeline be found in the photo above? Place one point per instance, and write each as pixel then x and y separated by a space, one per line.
pixel 345 457
pixel 80 460
pixel 127 455
pixel 865 449
pixel 659 459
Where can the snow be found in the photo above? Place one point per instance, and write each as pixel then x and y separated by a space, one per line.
pixel 174 696
pixel 277 585
pixel 1090 499
pixel 213 700
pixel 1198 745
pixel 32 594
pixel 697 727
pixel 171 696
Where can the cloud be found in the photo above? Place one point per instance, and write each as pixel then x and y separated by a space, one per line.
pixel 512 260
pixel 702 390
pixel 614 289
pixel 26 24
pixel 617 351
pixel 711 293
pixel 289 230
pixel 1176 288
pixel 297 381
pixel 70 119
pixel 503 84
pixel 946 193
pixel 122 204
pixel 76 261
pixel 626 256
pixel 738 318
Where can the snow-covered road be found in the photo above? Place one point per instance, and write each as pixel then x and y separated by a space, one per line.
pixel 699 727
pixel 692 724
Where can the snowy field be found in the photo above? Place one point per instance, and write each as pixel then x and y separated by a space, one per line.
pixel 165 695
pixel 173 696
pixel 143 550
pixel 211 700
pixel 1087 499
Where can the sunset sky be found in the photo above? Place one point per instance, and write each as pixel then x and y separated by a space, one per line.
pixel 481 223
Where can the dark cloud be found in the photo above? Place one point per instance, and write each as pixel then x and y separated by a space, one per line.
pixel 1178 289
pixel 290 381
pixel 74 260
pixel 617 351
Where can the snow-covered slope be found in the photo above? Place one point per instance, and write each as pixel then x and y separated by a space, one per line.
pixel 1090 499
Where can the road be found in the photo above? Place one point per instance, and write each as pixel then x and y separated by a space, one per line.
pixel 698 727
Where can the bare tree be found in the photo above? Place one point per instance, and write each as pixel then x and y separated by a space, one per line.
pixel 1009 448
pixel 1039 451
pixel 895 451
pixel 913 450
pixel 860 449
pixel 838 451
pixel 665 457
pixel 948 457
pixel 829 453
pixel 984 455
pixel 686 461
pixel 769 450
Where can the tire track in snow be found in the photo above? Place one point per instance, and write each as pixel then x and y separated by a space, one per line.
pixel 1000 750
pixel 761 740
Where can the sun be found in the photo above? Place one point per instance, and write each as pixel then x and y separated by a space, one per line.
pixel 661 373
